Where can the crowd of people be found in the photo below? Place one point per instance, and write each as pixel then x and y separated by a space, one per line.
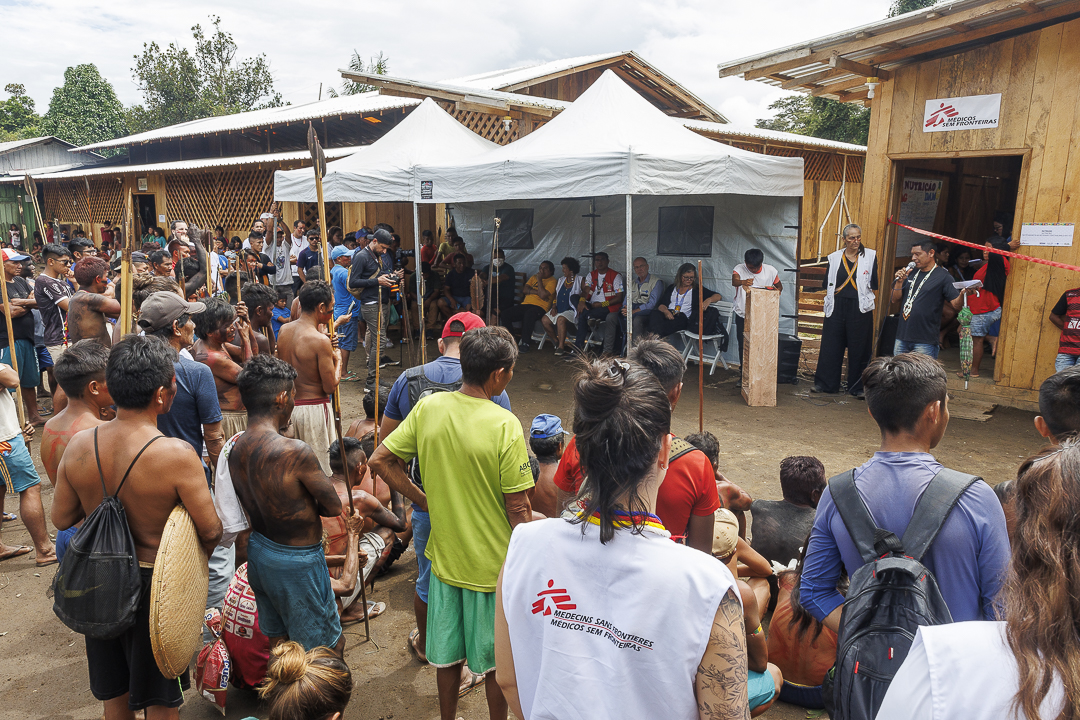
pixel 530 547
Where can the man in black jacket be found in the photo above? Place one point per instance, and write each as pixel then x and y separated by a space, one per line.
pixel 372 274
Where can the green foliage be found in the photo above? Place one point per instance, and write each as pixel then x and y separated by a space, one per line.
pixel 819 117
pixel 899 7
pixel 179 85
pixel 84 109
pixel 18 121
pixel 377 65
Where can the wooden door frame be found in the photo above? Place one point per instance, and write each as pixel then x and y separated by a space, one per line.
pixel 138 216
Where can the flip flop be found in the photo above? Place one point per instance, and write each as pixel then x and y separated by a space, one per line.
pixel 8 517
pixel 469 680
pixel 375 609
pixel 15 552
pixel 47 563
pixel 413 637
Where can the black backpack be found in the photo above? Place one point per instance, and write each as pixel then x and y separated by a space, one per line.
pixel 420 386
pixel 890 596
pixel 97 590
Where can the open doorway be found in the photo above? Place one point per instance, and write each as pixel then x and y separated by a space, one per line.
pixel 145 216
pixel 971 198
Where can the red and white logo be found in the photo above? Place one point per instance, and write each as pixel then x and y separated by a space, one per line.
pixel 938 116
pixel 973 112
pixel 552 598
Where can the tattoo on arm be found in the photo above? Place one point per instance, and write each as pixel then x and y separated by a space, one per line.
pixel 722 675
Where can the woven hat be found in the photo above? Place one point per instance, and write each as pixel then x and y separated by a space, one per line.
pixel 178 595
pixel 725 533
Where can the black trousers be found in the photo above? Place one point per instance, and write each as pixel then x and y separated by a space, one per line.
pixel 661 327
pixel 527 315
pixel 845 328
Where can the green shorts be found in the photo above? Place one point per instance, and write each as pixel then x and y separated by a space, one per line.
pixel 460 627
pixel 26 354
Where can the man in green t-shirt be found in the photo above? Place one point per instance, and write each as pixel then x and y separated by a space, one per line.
pixel 476 475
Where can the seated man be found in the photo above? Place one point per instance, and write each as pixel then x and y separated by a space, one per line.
pixel 367 548
pixel 547 441
pixel 732 497
pixel 362 426
pixel 764 679
pixel 645 292
pixel 539 294
pixel 502 283
pixel 782 526
pixel 605 291
pixel 457 288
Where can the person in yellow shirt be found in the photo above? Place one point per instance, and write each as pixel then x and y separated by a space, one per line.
pixel 539 294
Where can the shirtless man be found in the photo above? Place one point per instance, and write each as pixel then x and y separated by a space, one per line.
pixel 123 672
pixel 318 366
pixel 88 308
pixel 215 327
pixel 81 373
pixel 362 426
pixel 375 540
pixel 284 492
pixel 260 300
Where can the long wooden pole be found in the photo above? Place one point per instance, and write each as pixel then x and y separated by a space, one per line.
pixel 89 211
pixel 31 190
pixel 27 242
pixel 701 349
pixel 629 263
pixel 11 352
pixel 419 284
pixel 126 291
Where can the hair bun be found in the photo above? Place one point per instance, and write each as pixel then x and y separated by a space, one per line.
pixel 600 388
pixel 288 663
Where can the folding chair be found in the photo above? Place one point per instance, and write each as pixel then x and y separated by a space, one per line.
pixel 710 343
pixel 539 335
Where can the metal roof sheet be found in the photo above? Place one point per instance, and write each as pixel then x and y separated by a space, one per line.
pixel 744 131
pixel 496 79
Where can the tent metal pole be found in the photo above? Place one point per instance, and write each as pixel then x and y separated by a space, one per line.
pixel 629 261
pixel 419 283
pixel 592 226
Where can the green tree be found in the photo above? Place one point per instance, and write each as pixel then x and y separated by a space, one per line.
pixel 899 7
pixel 179 85
pixel 84 109
pixel 819 117
pixel 18 120
pixel 377 65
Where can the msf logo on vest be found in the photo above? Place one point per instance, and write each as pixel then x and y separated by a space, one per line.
pixel 939 116
pixel 552 599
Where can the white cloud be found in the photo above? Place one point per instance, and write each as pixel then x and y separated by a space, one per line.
pixel 426 39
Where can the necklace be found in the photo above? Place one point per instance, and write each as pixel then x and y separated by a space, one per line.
pixel 914 292
pixel 628 519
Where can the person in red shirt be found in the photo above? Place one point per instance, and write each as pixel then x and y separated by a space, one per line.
pixel 985 304
pixel 687 498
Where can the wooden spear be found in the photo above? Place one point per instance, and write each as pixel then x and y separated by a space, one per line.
pixel 27 242
pixel 126 291
pixel 89 211
pixel 31 190
pixel 701 349
pixel 11 352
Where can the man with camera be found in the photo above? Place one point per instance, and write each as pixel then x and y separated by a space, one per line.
pixel 370 278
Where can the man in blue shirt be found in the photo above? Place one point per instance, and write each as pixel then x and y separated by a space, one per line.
pixel 347 334
pixel 442 374
pixel 906 396
pixel 645 292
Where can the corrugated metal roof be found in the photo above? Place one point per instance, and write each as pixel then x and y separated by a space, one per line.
pixel 345 105
pixel 501 78
pixel 30 142
pixel 464 92
pixel 202 163
pixel 756 133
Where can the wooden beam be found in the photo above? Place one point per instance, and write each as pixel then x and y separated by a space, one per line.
pixel 813 78
pixel 517 87
pixel 838 88
pixel 1031 8
pixel 772 69
pixel 672 87
pixel 779 61
pixel 476 103
pixel 851 96
pixel 960 27
pixel 859 68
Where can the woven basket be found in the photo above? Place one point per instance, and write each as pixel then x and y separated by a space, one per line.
pixel 178 595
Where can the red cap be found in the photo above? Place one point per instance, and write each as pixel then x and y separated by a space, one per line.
pixel 471 321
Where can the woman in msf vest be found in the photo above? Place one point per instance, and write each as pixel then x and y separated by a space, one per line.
pixel 598 611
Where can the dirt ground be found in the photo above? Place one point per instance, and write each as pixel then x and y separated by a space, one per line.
pixel 43 665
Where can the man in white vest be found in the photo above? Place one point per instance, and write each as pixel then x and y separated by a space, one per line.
pixel 850 285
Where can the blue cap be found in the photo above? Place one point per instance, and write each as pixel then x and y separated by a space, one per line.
pixel 546 426
pixel 340 251
pixel 361 233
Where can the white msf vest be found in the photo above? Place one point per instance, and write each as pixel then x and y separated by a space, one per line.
pixel 607 631
pixel 864 268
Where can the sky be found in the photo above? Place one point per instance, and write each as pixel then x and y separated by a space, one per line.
pixel 306 43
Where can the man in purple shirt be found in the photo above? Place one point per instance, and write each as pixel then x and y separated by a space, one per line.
pixel 906 396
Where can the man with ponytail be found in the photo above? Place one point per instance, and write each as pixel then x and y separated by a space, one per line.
pixel 476 497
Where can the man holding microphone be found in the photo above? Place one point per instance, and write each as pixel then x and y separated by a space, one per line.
pixel 924 288
pixel 372 274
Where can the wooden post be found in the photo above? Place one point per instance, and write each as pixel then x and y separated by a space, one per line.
pixel 419 288
pixel 89 211
pixel 760 345
pixel 126 291
pixel 28 243
pixel 11 352
pixel 31 190
pixel 629 263
pixel 701 349
pixel 491 269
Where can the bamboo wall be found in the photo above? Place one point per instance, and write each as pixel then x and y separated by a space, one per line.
pixel 1036 73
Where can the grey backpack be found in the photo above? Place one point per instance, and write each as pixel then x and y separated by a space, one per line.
pixel 890 596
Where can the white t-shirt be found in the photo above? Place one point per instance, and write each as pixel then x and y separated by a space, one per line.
pixel 296 245
pixel 963 670
pixel 598 288
pixel 681 302
pixel 763 278
pixel 587 637
pixel 9 416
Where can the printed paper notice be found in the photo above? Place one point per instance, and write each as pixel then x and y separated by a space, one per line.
pixel 1047 234
pixel 918 208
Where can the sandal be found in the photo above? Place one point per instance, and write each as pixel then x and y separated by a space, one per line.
pixel 469 680
pixel 15 551
pixel 413 637
pixel 8 517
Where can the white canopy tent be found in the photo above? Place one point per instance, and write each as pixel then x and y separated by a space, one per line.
pixel 612 142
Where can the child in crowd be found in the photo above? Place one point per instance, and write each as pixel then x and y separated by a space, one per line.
pixel 281 312
pixel 547 441
pixel 781 526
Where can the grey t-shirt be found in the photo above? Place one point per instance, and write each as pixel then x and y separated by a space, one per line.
pixel 924 323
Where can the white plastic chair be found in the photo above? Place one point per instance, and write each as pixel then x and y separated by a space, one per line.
pixel 710 343
pixel 539 335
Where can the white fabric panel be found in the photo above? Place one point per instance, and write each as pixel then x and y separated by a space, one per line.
pixel 612 141
pixel 383 171
pixel 740 222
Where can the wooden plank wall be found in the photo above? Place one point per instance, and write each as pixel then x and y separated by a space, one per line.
pixel 1037 75
pixel 818 197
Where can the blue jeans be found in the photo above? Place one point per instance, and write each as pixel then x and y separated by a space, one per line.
pixel 903 346
pixel 1064 361
pixel 421 528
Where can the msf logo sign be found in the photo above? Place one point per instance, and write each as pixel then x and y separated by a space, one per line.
pixel 553 597
pixel 939 116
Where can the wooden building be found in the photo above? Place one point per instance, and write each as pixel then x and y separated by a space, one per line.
pixel 18 156
pixel 1007 70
